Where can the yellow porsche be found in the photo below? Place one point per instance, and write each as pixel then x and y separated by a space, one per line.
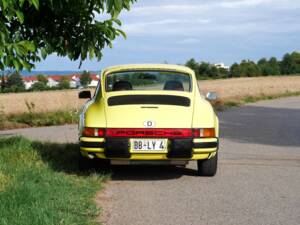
pixel 149 114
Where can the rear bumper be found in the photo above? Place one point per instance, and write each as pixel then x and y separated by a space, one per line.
pixel 178 149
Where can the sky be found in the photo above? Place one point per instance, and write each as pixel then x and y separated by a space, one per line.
pixel 216 31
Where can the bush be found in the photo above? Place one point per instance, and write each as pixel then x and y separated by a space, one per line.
pixel 85 78
pixel 39 86
pixel 15 83
pixel 64 83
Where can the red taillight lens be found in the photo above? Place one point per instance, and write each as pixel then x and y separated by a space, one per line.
pixel 204 132
pixel 149 133
pixel 93 132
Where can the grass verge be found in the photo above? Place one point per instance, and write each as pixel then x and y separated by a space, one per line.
pixel 221 105
pixel 33 119
pixel 41 184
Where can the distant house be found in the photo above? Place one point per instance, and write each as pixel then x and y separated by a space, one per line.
pixel 29 81
pixel 74 80
pixel 53 80
pixel 221 65
pixel 94 81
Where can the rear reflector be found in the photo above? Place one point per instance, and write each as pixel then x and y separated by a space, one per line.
pixel 149 133
pixel 204 132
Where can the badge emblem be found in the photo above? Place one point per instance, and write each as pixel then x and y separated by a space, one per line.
pixel 149 124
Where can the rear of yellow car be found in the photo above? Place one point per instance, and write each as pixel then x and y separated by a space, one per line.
pixel 149 114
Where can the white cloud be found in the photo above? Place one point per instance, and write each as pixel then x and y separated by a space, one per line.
pixel 244 3
pixel 209 30
pixel 193 18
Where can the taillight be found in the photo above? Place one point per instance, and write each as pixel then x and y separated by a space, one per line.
pixel 149 133
pixel 93 132
pixel 204 132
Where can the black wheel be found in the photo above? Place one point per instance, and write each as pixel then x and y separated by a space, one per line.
pixel 85 164
pixel 208 167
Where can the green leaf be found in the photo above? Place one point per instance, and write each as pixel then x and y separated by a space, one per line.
pixel 4 3
pixel 28 45
pixel 118 5
pixel 27 65
pixel 16 64
pixel 44 53
pixel 91 53
pixel 20 16
pixel 117 21
pixel 109 5
pixel 122 33
pixel 36 3
pixel 21 3
pixel 115 14
pixel 20 50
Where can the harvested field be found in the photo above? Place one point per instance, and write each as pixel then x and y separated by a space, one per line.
pixel 239 88
pixel 227 89
pixel 47 101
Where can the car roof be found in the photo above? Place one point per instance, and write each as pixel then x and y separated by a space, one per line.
pixel 165 67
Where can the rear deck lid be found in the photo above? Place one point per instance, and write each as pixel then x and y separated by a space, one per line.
pixel 156 110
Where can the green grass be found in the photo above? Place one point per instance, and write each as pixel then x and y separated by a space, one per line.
pixel 223 105
pixel 33 119
pixel 41 184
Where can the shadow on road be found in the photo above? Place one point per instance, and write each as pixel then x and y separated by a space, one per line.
pixel 262 125
pixel 64 158
pixel 60 157
pixel 150 173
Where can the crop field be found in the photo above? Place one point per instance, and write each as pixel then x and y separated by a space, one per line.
pixel 227 89
pixel 46 101
pixel 239 88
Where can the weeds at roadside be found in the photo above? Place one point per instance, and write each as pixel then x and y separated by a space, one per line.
pixel 2 118
pixel 220 105
pixel 33 119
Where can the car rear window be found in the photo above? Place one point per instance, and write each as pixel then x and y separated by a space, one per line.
pixel 148 80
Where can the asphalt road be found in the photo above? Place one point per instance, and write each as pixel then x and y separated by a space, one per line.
pixel 258 180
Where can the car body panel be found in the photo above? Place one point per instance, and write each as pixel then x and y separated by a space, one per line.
pixel 98 114
pixel 136 115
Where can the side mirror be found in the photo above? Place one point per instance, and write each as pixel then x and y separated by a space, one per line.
pixel 211 96
pixel 84 94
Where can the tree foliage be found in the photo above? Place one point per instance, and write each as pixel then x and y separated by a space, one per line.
pixel 14 83
pixel 42 78
pixel 39 86
pixel 204 70
pixel 63 83
pixel 85 78
pixel 290 64
pixel 33 29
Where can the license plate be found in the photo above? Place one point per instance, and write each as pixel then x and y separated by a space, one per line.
pixel 149 145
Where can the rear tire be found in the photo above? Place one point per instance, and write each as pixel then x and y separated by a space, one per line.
pixel 208 167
